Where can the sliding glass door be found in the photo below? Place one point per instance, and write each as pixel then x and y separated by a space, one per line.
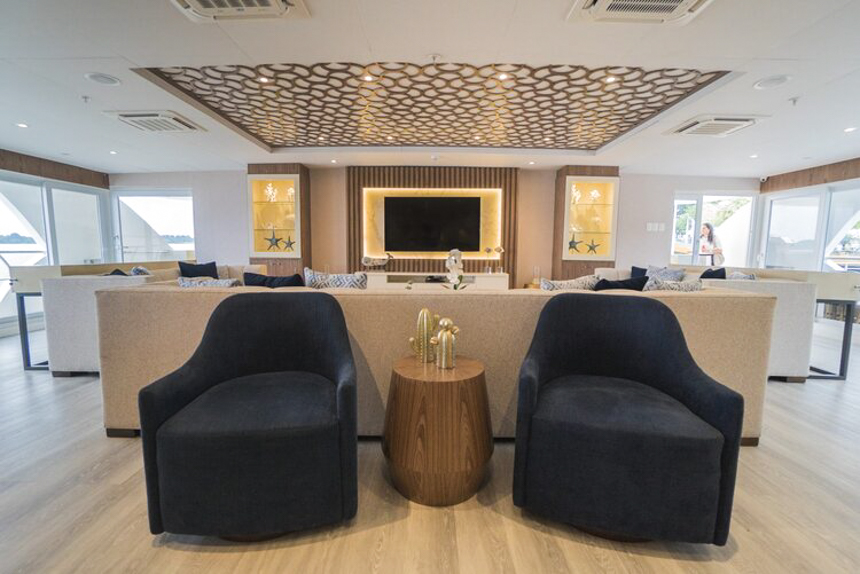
pixel 727 222
pixel 792 233
pixel 77 226
pixel 155 225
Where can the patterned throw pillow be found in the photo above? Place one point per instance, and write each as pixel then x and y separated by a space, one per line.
pixel 665 273
pixel 655 284
pixel 737 275
pixel 319 280
pixel 140 270
pixel 586 282
pixel 207 282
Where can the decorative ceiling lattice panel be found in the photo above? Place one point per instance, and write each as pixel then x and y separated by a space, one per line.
pixel 457 105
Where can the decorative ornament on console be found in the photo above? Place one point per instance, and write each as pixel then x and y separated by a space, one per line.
pixel 444 343
pixel 454 265
pixel 380 262
pixel 427 323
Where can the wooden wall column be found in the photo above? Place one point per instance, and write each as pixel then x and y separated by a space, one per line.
pixel 562 269
pixel 282 265
pixel 504 178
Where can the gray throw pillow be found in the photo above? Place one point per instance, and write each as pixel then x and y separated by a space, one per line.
pixel 207 282
pixel 655 284
pixel 586 282
pixel 665 273
pixel 737 275
pixel 319 280
pixel 140 270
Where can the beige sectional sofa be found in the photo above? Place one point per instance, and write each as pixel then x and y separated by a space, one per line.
pixel 794 316
pixel 70 313
pixel 148 331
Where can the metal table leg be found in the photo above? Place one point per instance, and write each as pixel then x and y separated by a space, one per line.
pixel 25 333
pixel 848 330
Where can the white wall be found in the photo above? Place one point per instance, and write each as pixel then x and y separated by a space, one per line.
pixel 220 209
pixel 221 214
pixel 650 198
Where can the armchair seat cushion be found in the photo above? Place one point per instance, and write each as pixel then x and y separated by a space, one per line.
pixel 258 454
pixel 619 456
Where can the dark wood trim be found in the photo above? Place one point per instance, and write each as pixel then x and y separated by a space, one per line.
pixel 749 441
pixel 430 177
pixel 278 265
pixel 49 169
pixel 562 269
pixel 830 173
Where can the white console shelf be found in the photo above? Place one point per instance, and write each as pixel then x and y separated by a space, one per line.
pixel 399 280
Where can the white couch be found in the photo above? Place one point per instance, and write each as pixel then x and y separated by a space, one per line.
pixel 71 324
pixel 793 320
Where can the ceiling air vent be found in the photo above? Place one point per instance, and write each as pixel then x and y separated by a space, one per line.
pixel 159 122
pixel 220 10
pixel 637 11
pixel 714 126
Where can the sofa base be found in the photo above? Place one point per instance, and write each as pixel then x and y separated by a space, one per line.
pixel 122 433
pixel 749 441
pixel 64 374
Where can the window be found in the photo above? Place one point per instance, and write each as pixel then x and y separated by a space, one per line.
pixel 78 227
pixel 22 235
pixel 729 216
pixel 792 233
pixel 842 246
pixel 155 225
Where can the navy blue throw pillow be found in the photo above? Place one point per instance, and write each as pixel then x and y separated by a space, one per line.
pixel 257 280
pixel 638 271
pixel 118 272
pixel 634 283
pixel 719 273
pixel 198 270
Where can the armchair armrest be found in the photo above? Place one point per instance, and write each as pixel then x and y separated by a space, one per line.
pixel 527 395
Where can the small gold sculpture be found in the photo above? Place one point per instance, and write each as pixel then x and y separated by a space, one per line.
pixel 420 343
pixel 444 344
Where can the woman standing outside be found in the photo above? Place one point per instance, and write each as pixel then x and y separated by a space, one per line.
pixel 711 246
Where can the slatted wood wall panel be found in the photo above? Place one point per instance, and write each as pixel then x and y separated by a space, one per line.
pixel 562 269
pixel 31 165
pixel 278 265
pixel 359 177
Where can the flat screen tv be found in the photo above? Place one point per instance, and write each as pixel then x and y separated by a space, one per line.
pixel 432 223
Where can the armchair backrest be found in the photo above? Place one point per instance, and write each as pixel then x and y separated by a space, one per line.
pixel 628 337
pixel 268 332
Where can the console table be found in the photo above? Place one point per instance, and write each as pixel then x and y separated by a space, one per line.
pixel 400 280
pixel 437 436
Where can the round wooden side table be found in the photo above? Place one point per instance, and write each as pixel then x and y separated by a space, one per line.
pixel 437 436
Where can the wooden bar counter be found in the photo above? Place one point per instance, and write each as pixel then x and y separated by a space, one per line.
pixel 437 436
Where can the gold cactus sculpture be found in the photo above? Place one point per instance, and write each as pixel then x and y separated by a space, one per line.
pixel 444 344
pixel 420 343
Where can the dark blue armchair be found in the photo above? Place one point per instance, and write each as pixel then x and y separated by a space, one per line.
pixel 256 434
pixel 618 430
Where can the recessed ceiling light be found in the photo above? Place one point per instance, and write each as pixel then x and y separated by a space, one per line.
pixel 754 156
pixel 477 138
pixel 771 82
pixel 22 125
pixel 390 138
pixel 503 76
pixel 610 79
pixel 368 78
pixel 103 79
pixel 334 161
pixel 112 152
pixel 434 158
pixel 846 130
pixel 531 163
pixel 547 139
pixel 264 79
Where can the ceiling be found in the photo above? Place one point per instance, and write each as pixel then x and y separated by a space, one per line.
pixel 47 46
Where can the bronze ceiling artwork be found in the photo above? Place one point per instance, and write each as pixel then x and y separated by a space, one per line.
pixel 441 105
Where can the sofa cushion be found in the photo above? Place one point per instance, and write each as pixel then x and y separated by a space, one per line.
pixel 207 282
pixel 654 284
pixel 198 270
pixel 257 280
pixel 270 437
pixel 606 453
pixel 718 273
pixel 634 283
pixel 320 280
pixel 586 282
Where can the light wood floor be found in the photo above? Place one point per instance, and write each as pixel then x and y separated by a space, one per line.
pixel 72 500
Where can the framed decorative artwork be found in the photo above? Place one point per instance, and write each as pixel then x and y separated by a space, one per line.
pixel 275 215
pixel 590 218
